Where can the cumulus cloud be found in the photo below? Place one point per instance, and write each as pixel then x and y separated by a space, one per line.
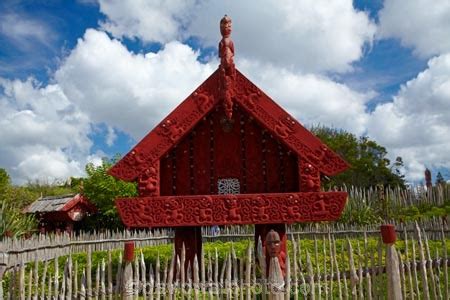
pixel 416 125
pixel 311 99
pixel 44 137
pixel 152 21
pixel 130 92
pixel 423 25
pixel 137 91
pixel 307 35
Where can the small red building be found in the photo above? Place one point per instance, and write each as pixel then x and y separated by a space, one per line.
pixel 60 213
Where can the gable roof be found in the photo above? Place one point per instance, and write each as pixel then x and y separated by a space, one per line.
pixel 254 101
pixel 57 203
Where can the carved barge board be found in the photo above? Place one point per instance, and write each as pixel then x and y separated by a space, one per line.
pixel 257 104
pixel 206 210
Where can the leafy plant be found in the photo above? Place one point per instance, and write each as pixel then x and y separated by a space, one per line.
pixel 102 189
pixel 13 223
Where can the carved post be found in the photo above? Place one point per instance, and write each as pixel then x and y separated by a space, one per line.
pixel 191 237
pixel 392 265
pixel 275 273
pixel 127 278
pixel 275 233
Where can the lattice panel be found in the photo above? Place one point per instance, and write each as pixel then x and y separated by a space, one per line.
pixel 228 186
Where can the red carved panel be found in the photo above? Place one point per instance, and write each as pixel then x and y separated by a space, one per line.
pixel 227 145
pixel 241 150
pixel 309 177
pixel 173 211
pixel 148 181
pixel 258 105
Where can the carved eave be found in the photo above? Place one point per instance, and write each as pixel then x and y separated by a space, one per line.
pixel 147 153
pixel 208 210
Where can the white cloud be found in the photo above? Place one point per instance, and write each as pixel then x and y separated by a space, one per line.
pixel 130 92
pixel 154 21
pixel 25 30
pixel 416 125
pixel 44 137
pixel 422 24
pixel 307 35
pixel 311 99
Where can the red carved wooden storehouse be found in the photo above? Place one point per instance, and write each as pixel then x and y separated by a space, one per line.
pixel 228 155
pixel 60 213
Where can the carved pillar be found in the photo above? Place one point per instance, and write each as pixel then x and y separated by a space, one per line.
pixel 192 239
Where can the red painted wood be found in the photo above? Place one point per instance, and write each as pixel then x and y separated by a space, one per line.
pixel 272 158
pixel 255 180
pixel 261 231
pixel 191 238
pixel 183 174
pixel 309 177
pixel 202 165
pixel 230 151
pixel 128 253
pixel 258 105
pixel 388 234
pixel 228 128
pixel 203 210
pixel 166 175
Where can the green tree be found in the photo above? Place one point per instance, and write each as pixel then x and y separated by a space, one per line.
pixel 12 200
pixel 369 165
pixel 4 179
pixel 102 189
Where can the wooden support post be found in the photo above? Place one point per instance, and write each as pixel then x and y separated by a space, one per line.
pixel 191 237
pixel 275 279
pixel 127 278
pixel 392 265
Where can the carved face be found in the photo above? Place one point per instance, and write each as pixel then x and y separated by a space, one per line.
pixel 225 26
pixel 273 244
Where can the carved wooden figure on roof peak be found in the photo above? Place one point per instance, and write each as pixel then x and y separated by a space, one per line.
pixel 228 155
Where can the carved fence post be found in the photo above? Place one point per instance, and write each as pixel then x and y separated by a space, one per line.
pixel 127 278
pixel 392 265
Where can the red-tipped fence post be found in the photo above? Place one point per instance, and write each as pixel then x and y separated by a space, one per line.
pixel 389 237
pixel 127 278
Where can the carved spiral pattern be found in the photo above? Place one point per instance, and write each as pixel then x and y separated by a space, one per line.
pixel 231 209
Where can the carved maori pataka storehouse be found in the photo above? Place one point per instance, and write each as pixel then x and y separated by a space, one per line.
pixel 228 155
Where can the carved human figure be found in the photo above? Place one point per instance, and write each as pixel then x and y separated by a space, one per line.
pixel 274 249
pixel 273 244
pixel 226 46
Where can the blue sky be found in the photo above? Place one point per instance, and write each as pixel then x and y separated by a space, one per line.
pixel 80 80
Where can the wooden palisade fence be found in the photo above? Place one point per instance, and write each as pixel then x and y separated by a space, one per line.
pixel 321 264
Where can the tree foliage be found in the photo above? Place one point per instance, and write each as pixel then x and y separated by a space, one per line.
pixel 12 200
pixel 369 165
pixel 101 189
